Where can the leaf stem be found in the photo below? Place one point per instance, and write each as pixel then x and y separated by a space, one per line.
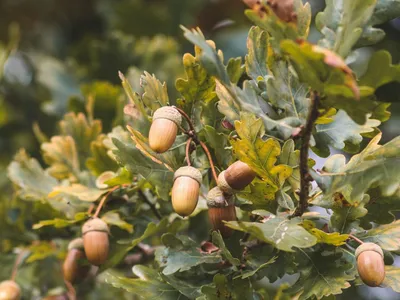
pixel 356 239
pixel 16 265
pixel 305 177
pixel 152 206
pixel 210 160
pixel 104 198
pixel 189 141
pixel 185 115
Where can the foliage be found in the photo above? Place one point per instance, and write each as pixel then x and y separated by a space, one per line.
pixel 257 110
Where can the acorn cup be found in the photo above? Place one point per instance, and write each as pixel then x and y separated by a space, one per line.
pixel 9 290
pixel 164 128
pixel 95 241
pixel 220 208
pixel 236 177
pixel 74 267
pixel 370 264
pixel 185 191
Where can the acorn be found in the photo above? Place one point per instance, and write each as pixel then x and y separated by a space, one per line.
pixel 236 177
pixel 74 268
pixel 95 241
pixel 185 191
pixel 9 290
pixel 220 208
pixel 370 264
pixel 164 128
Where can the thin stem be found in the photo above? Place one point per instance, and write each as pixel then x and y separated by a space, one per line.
pixel 90 209
pixel 16 265
pixel 210 160
pixel 152 207
pixel 104 198
pixel 305 177
pixel 356 239
pixel 182 112
pixel 189 141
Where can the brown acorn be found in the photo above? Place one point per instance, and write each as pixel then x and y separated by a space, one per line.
pixel 185 191
pixel 74 268
pixel 370 264
pixel 95 241
pixel 236 177
pixel 220 208
pixel 164 128
pixel 9 290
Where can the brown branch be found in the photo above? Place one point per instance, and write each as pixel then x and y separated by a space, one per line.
pixel 185 115
pixel 152 207
pixel 356 239
pixel 305 176
pixel 189 141
pixel 210 160
pixel 104 198
pixel 17 262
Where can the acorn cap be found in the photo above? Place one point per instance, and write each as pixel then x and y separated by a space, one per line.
pixel 95 224
pixel 223 184
pixel 76 244
pixel 189 172
pixel 169 113
pixel 368 247
pixel 217 198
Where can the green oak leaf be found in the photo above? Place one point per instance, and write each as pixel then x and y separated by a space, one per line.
pixel 386 236
pixel 260 155
pixel 119 250
pixel 377 165
pixel 334 238
pixel 347 19
pixel 148 284
pixel 42 250
pixel 235 69
pixel 258 195
pixel 225 253
pixel 218 142
pixel 155 93
pixel 100 161
pixel 323 274
pixel 113 218
pixel 323 70
pixel 79 191
pixel 342 133
pixel 380 208
pixel 182 254
pixel 256 59
pixel 61 223
pixel 188 286
pixel 291 157
pixel 392 278
pixel 224 289
pixel 123 176
pixel 282 233
pixel 158 175
pixel 33 182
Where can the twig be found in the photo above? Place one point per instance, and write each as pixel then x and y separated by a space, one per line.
pixel 104 198
pixel 16 265
pixel 210 160
pixel 189 141
pixel 152 207
pixel 305 177
pixel 356 239
pixel 71 290
pixel 90 209
pixel 189 121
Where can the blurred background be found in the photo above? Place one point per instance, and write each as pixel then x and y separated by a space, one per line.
pixel 54 53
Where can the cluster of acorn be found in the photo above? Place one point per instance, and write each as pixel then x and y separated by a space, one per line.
pixel 187 180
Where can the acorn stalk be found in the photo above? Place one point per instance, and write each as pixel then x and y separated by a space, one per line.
pixel 370 264
pixel 236 177
pixel 95 241
pixel 74 267
pixel 9 290
pixel 220 209
pixel 164 128
pixel 185 191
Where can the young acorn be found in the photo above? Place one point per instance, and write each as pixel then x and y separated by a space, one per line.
pixel 185 191
pixel 73 266
pixel 236 177
pixel 95 241
pixel 220 208
pixel 9 290
pixel 370 264
pixel 164 128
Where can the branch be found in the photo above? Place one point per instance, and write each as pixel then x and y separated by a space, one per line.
pixel 189 141
pixel 305 177
pixel 356 239
pixel 103 200
pixel 152 207
pixel 17 262
pixel 210 160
